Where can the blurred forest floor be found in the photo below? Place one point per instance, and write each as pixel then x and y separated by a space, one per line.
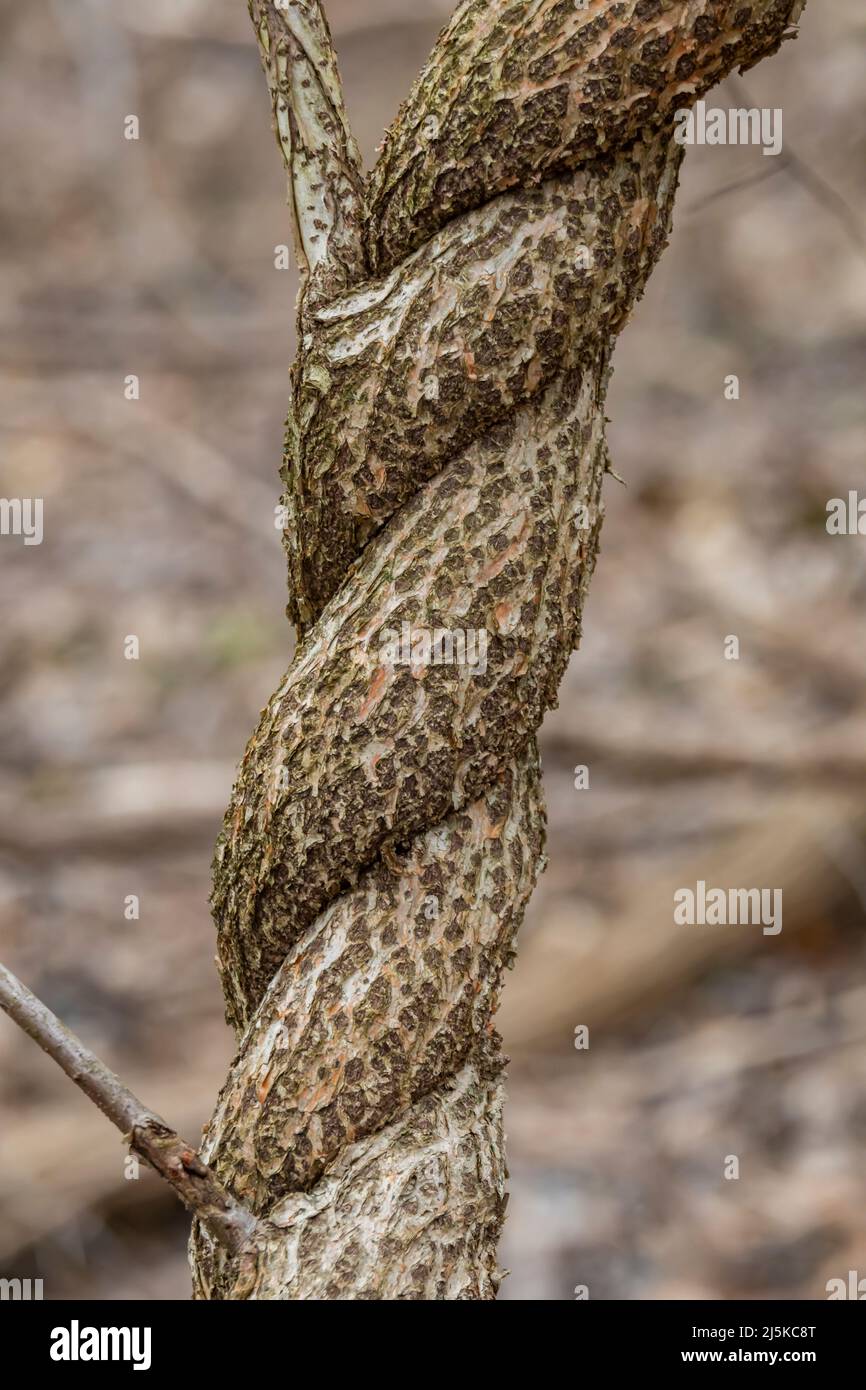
pixel 156 257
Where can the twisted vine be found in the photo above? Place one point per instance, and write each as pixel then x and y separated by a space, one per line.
pixel 445 455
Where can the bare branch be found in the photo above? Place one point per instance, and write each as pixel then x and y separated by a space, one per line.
pixel 149 1136
pixel 326 181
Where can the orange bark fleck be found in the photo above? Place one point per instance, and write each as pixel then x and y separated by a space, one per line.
pixel 374 694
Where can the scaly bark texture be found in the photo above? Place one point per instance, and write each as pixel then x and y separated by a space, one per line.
pixel 445 454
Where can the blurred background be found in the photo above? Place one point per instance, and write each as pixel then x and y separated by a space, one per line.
pixel 156 258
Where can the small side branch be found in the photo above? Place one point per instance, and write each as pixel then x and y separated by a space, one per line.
pixel 148 1135
pixel 326 180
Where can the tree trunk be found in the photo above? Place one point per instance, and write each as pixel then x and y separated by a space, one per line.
pixel 445 455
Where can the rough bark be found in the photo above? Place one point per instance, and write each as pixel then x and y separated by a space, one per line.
pixel 518 90
pixel 445 454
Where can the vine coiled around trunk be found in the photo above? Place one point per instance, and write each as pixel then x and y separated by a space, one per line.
pixel 445 456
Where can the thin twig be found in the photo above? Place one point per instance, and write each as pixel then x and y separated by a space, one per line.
pixel 148 1136
pixel 825 195
pixel 777 167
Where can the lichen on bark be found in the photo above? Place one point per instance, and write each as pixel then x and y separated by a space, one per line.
pixel 445 457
